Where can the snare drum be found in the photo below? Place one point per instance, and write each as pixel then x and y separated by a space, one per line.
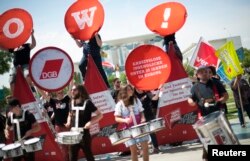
pixel 120 137
pixel 12 150
pixel 33 145
pixel 69 137
pixel 156 125
pixel 140 130
pixel 1 151
pixel 215 129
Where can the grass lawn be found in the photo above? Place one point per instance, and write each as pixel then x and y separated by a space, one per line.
pixel 232 110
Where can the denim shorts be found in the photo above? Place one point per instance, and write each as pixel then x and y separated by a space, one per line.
pixel 134 141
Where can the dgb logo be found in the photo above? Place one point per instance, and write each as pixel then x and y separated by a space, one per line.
pixel 51 69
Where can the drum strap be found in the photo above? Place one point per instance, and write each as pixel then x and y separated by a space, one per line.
pixel 77 109
pixel 132 114
pixel 17 122
pixel 216 93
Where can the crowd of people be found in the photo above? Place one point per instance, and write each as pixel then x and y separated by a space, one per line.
pixel 133 106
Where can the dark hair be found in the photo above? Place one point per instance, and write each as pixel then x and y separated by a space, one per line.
pixel 123 95
pixel 14 102
pixel 115 79
pixel 213 70
pixel 83 92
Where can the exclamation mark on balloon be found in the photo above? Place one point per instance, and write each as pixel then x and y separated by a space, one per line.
pixel 166 17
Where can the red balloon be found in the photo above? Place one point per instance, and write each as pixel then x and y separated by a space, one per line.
pixel 166 18
pixel 15 28
pixel 84 18
pixel 147 67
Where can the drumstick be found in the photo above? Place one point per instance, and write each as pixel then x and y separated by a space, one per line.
pixel 206 104
pixel 132 115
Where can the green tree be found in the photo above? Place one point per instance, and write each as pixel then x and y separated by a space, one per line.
pixel 5 61
pixel 189 69
pixel 110 80
pixel 123 78
pixel 246 60
pixel 6 92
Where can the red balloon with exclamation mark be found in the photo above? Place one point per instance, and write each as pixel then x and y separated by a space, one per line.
pixel 166 18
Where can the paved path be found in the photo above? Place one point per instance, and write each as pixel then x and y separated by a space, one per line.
pixel 189 151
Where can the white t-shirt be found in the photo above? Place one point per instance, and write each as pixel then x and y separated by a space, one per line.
pixel 123 111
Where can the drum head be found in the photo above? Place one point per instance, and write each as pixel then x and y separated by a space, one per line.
pixel 121 141
pixel 207 119
pixel 136 126
pixel 31 141
pixel 158 119
pixel 68 133
pixel 11 146
pixel 2 145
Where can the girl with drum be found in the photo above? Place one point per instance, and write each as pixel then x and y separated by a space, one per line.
pixel 129 112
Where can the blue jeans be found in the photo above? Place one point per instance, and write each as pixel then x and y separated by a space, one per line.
pixel 240 115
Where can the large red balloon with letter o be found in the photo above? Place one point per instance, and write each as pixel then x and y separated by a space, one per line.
pixel 15 28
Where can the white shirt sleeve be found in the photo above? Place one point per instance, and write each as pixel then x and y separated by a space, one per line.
pixel 139 104
pixel 118 109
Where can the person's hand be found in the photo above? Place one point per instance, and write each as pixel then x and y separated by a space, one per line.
pixel 27 134
pixel 217 103
pixel 143 120
pixel 87 125
pixel 7 134
pixel 209 100
pixel 238 77
pixel 128 120
pixel 72 36
pixel 67 125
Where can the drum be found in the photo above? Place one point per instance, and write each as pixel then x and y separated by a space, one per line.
pixel 214 129
pixel 33 145
pixel 1 151
pixel 140 130
pixel 120 137
pixel 12 150
pixel 156 125
pixel 69 137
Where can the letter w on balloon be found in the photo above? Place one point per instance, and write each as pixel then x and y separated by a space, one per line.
pixel 82 17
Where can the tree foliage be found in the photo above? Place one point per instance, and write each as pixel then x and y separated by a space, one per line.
pixel 246 60
pixel 3 104
pixel 189 69
pixel 5 62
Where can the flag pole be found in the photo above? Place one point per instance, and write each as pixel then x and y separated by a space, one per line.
pixel 241 104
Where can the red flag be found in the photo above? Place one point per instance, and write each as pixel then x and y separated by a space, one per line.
pixel 204 54
pixel 93 75
pixel 173 105
pixel 102 99
pixel 22 91
pixel 21 87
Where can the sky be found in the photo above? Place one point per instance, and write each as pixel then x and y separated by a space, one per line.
pixel 211 19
